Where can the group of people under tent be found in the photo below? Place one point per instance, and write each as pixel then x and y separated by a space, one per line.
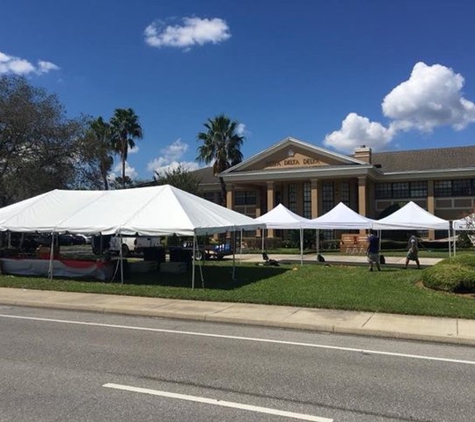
pixel 373 251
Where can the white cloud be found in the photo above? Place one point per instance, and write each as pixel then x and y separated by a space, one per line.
pixel 356 131
pixel 129 171
pixel 193 31
pixel 19 66
pixel 431 97
pixel 170 159
pixel 241 129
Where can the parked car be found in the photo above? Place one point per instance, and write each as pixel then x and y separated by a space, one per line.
pixel 129 245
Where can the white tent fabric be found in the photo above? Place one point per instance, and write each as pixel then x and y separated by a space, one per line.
pixel 281 217
pixel 341 217
pixel 151 211
pixel 411 217
pixel 466 223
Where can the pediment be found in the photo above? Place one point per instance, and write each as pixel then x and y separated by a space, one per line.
pixel 290 154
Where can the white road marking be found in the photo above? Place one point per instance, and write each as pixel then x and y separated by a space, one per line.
pixel 215 402
pixel 259 340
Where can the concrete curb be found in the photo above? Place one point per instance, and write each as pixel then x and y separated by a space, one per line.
pixel 440 330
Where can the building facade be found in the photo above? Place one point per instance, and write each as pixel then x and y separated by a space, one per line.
pixel 310 180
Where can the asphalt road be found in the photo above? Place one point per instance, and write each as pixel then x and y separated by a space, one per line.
pixel 77 366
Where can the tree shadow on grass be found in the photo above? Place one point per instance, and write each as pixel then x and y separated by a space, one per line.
pixel 215 277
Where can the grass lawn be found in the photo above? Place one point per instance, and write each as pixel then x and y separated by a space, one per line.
pixel 392 290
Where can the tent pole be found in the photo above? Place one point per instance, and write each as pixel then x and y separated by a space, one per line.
pixel 263 234
pixel 121 261
pixel 234 252
pixel 318 242
pixel 450 249
pixel 455 241
pixel 193 262
pixel 301 246
pixel 51 258
pixel 240 248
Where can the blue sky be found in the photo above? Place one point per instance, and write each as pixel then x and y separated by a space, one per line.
pixel 392 75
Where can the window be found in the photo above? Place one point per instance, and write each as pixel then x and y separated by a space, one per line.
pixel 327 196
pixel 345 193
pixel 307 200
pixel 460 187
pixel 212 196
pixel 384 191
pixel 398 190
pixel 443 188
pixel 418 189
pixel 245 198
pixel 292 197
pixel 401 190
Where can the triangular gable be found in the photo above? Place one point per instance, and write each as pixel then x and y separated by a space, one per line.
pixel 293 153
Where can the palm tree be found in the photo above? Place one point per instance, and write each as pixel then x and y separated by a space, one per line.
pixel 125 127
pixel 101 133
pixel 221 146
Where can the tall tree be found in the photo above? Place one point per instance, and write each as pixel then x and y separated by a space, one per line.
pixel 38 144
pixel 125 128
pixel 180 178
pixel 101 134
pixel 221 146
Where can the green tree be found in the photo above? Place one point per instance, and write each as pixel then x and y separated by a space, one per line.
pixel 180 178
pixel 97 153
pixel 38 144
pixel 221 146
pixel 125 128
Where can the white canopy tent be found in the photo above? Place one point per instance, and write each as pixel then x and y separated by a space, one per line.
pixel 412 217
pixel 151 211
pixel 281 217
pixel 463 224
pixel 340 217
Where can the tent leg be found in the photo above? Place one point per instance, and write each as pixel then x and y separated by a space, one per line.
pixel 450 249
pixel 318 242
pixel 51 258
pixel 193 263
pixel 233 245
pixel 301 246
pixel 121 261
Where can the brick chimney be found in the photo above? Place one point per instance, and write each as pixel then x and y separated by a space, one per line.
pixel 363 153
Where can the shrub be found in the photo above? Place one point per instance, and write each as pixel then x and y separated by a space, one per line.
pixel 463 260
pixel 449 277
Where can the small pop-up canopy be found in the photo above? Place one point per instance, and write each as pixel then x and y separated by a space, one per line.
pixel 281 217
pixel 341 217
pixel 411 217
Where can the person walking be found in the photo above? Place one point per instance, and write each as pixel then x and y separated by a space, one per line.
pixel 373 250
pixel 412 252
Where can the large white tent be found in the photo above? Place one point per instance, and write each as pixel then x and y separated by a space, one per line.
pixel 281 217
pixel 151 211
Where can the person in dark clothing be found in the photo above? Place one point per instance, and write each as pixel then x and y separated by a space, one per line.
pixel 412 252
pixel 373 250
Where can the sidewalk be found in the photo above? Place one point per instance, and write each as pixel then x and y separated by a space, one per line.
pixel 446 330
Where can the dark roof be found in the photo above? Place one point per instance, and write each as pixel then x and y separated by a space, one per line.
pixel 425 159
pixel 206 175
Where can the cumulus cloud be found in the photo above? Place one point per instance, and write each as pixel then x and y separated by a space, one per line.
pixel 193 31
pixel 356 131
pixel 19 66
pixel 129 171
pixel 170 159
pixel 430 98
pixel 241 129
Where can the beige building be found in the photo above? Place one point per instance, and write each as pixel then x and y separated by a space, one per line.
pixel 311 180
